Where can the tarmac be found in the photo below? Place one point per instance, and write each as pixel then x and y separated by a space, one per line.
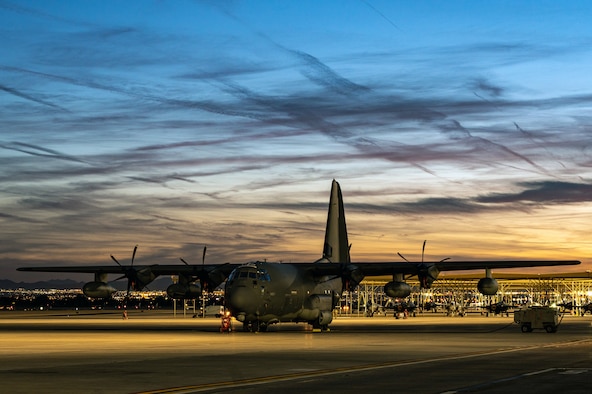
pixel 154 352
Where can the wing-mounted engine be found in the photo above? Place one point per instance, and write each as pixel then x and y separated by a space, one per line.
pixel 205 280
pixel 396 289
pixel 209 278
pixel 487 285
pixel 137 279
pixel 427 274
pixel 99 288
pixel 142 278
pixel 184 289
pixel 213 278
pixel 352 276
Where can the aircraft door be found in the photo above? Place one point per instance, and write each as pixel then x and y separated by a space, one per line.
pixel 292 301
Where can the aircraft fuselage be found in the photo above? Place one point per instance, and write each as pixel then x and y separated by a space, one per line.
pixel 261 293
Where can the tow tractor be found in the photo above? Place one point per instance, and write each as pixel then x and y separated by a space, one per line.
pixel 537 317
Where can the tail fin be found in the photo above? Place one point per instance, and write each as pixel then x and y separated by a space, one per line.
pixel 336 248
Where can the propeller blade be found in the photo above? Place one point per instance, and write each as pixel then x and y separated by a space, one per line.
pixel 423 249
pixel 134 254
pixel 403 257
pixel 203 257
pixel 114 259
pixel 183 261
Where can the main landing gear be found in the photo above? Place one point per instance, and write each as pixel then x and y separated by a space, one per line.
pixel 317 327
pixel 254 326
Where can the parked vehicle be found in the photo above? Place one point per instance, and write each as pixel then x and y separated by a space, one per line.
pixel 537 317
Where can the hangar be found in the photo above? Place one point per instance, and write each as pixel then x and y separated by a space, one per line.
pixel 572 291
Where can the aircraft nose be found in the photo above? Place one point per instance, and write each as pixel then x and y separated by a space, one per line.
pixel 243 299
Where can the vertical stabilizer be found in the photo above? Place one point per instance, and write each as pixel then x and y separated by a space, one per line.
pixel 336 248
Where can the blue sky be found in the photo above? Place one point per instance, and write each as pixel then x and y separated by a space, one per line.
pixel 179 124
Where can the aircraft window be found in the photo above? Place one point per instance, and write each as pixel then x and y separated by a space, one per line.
pixel 263 275
pixel 244 272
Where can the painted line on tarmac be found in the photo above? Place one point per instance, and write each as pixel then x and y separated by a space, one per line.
pixel 361 368
pixel 496 382
pixel 482 386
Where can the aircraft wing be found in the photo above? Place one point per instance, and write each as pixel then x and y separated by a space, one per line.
pixel 366 268
pixel 400 267
pixel 413 268
pixel 139 276
pixel 157 269
pixel 107 269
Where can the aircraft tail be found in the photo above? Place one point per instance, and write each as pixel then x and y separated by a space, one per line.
pixel 336 247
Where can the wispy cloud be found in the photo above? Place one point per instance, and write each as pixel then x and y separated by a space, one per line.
pixel 547 192
pixel 226 126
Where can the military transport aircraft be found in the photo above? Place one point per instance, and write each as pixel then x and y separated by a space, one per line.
pixel 499 308
pixel 262 293
pixel 579 308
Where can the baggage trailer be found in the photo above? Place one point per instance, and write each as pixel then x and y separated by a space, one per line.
pixel 537 317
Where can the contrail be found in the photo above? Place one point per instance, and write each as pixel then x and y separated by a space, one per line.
pixel 382 15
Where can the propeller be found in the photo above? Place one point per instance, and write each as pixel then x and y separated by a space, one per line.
pixel 134 281
pixel 422 254
pixel 203 261
pixel 203 257
pixel 426 273
pixel 128 272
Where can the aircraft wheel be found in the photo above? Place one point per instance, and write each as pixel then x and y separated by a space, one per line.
pixel 251 326
pixel 318 327
pixel 255 326
pixel 550 329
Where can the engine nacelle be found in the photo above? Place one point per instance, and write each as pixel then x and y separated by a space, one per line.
pixel 98 290
pixel 142 278
pixel 487 286
pixel 353 275
pixel 427 274
pixel 397 289
pixel 180 291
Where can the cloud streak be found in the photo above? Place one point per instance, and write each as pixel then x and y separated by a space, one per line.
pixel 227 127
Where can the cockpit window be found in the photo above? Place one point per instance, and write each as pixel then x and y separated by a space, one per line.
pixel 251 273
pixel 263 275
